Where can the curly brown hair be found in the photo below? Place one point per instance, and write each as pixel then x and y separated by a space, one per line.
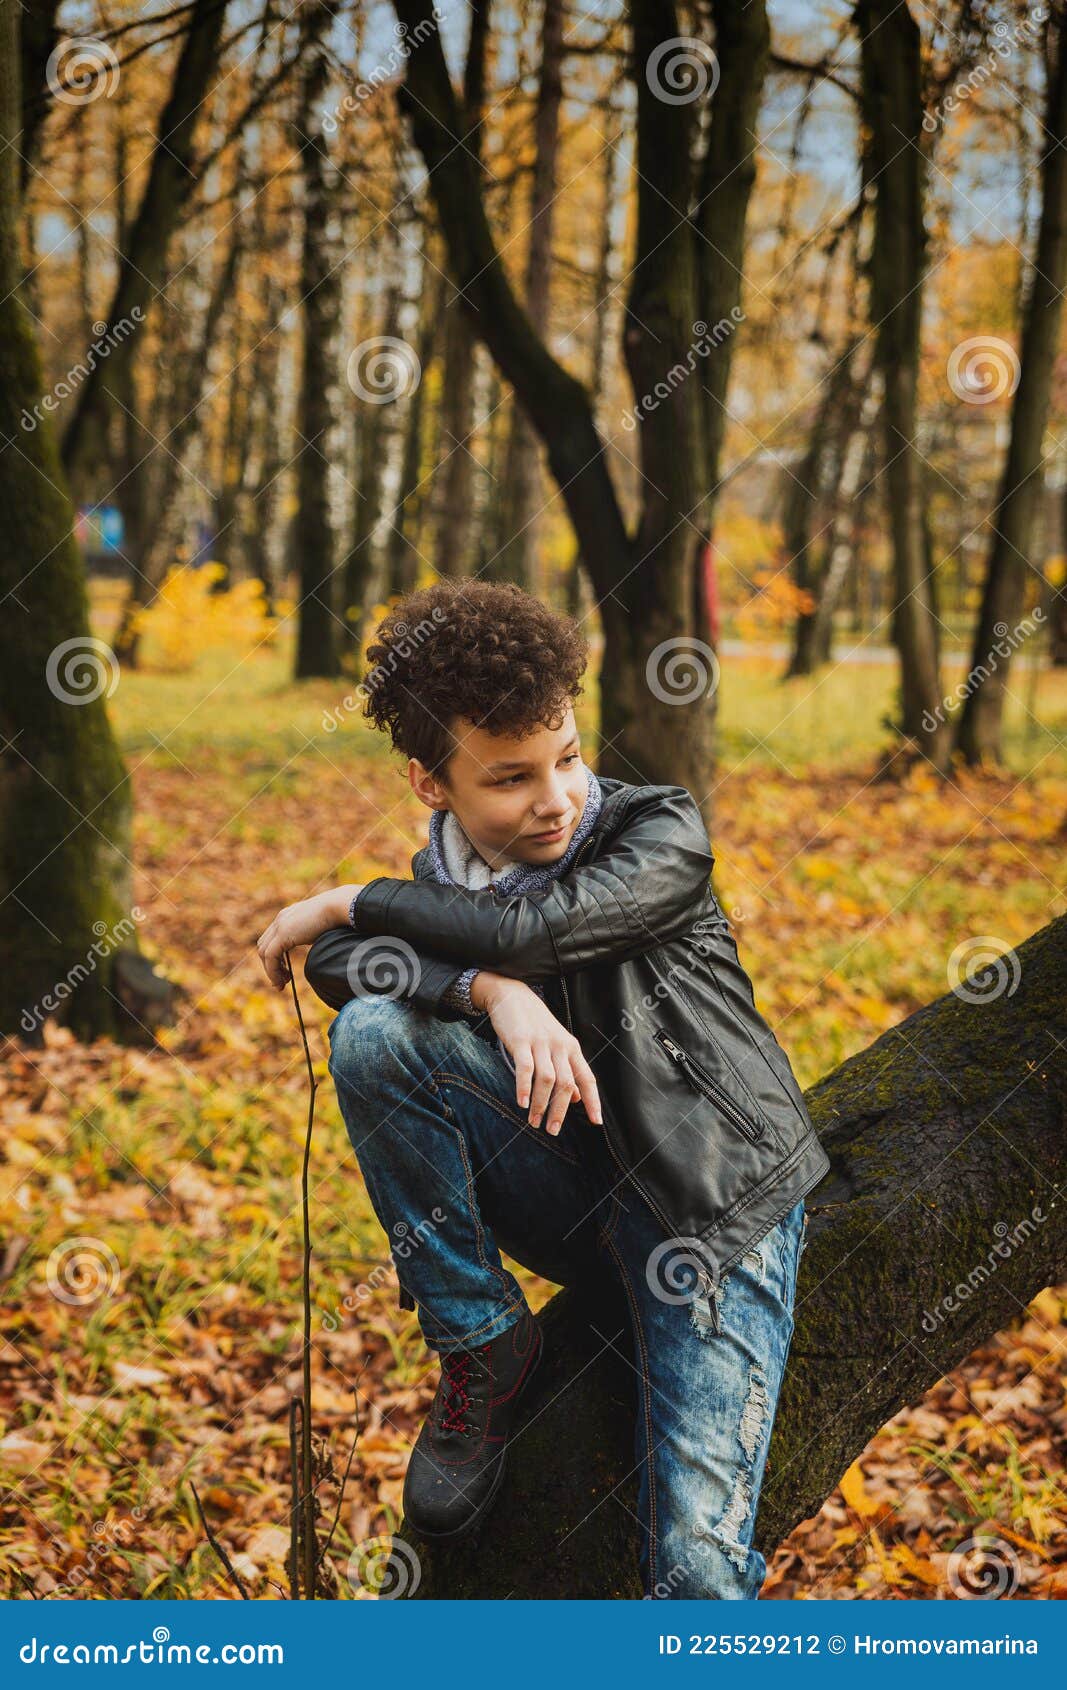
pixel 483 651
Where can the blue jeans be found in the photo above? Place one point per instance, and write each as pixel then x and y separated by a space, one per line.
pixel 456 1174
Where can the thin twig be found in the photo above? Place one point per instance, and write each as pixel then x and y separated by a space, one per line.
pixel 216 1545
pixel 309 1546
pixel 348 1466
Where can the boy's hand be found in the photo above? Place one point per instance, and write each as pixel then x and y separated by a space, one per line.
pixel 301 924
pixel 549 1066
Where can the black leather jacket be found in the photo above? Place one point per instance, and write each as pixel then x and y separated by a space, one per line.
pixel 701 1109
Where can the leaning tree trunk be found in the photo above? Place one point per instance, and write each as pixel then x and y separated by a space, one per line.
pixel 934 1228
pixel 64 792
pixel 1003 598
pixel 893 114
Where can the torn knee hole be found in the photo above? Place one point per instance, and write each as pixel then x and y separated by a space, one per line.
pixel 704 1312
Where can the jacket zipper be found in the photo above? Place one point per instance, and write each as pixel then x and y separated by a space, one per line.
pixel 706 1281
pixel 703 1082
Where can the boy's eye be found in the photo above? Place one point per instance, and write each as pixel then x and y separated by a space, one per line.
pixel 509 780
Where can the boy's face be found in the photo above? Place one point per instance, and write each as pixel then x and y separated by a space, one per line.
pixel 514 798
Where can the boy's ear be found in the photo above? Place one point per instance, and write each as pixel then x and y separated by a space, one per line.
pixel 426 787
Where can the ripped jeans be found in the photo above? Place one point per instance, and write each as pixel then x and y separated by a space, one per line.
pixel 456 1174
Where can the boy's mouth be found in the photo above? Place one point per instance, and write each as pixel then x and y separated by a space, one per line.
pixel 549 838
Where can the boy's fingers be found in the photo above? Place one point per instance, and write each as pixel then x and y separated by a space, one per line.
pixel 561 1095
pixel 588 1089
pixel 523 1061
pixel 544 1080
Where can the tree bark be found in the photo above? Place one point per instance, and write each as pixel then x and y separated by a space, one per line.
pixel 1010 556
pixel 938 1222
pixel 38 36
pixel 64 791
pixel 891 83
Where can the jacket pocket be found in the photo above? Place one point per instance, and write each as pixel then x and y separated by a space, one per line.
pixel 703 1082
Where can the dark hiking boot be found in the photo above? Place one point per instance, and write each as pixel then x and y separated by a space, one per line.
pixel 457 1464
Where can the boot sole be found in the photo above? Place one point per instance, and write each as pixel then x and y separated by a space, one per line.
pixel 481 1512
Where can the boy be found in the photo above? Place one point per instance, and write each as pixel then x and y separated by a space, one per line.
pixel 547 1037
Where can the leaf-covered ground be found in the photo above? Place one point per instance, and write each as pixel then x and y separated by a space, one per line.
pixel 150 1240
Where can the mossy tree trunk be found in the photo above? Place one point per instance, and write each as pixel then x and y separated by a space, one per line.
pixel 939 1220
pixel 64 791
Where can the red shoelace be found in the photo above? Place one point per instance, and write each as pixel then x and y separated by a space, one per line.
pixel 457 1371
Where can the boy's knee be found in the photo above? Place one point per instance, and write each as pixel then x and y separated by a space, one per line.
pixel 369 1036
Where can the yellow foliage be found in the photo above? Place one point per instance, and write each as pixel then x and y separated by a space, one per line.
pixel 854 1491
pixel 917 1565
pixel 187 617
